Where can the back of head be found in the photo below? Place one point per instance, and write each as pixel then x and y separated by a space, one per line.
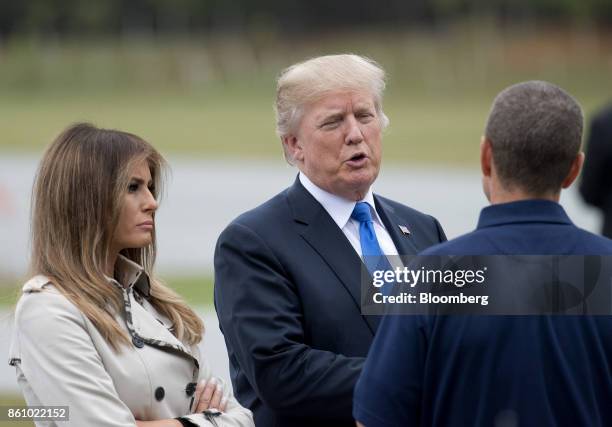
pixel 308 81
pixel 535 131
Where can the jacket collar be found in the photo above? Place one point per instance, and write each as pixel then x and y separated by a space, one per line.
pixel 35 284
pixel 403 243
pixel 339 208
pixel 130 274
pixel 320 231
pixel 533 211
pixel 144 323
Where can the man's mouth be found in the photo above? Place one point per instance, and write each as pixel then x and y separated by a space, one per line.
pixel 357 159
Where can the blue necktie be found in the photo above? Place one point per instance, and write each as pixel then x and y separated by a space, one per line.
pixel 373 257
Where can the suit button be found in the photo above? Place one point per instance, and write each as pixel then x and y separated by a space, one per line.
pixel 138 342
pixel 159 393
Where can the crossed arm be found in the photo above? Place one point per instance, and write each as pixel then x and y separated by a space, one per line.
pixel 59 363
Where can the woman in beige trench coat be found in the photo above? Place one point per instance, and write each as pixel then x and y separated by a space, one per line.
pixel 94 329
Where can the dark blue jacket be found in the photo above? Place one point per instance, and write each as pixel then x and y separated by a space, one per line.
pixel 495 370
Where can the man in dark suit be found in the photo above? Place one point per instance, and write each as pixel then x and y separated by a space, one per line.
pixel 503 370
pixel 596 184
pixel 287 273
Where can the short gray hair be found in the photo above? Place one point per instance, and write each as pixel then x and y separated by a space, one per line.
pixel 535 130
pixel 308 81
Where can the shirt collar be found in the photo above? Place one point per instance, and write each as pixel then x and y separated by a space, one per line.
pixel 128 274
pixel 339 208
pixel 542 211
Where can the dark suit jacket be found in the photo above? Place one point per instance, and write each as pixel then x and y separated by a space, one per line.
pixel 596 183
pixel 287 294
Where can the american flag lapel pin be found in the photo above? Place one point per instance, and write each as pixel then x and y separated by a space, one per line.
pixel 404 230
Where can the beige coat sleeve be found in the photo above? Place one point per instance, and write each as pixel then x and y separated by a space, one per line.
pixel 59 365
pixel 235 415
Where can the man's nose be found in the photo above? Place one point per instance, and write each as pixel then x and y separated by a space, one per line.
pixel 354 134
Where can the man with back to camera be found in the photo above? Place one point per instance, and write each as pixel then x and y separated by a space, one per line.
pixel 502 370
pixel 287 273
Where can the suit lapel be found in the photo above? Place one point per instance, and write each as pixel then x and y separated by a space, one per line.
pixel 323 235
pixel 403 243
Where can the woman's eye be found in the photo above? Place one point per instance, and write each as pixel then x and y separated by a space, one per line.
pixel 132 188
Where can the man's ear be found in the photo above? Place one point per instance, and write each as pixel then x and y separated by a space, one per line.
pixel 574 170
pixel 486 157
pixel 293 147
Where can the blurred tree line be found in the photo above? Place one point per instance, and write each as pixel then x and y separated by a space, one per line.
pixel 121 17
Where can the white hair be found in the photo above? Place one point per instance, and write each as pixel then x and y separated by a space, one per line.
pixel 309 81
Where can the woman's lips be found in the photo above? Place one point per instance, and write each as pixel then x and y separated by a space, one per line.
pixel 147 225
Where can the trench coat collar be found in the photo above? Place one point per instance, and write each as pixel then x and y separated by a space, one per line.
pixel 130 274
pixel 145 324
pixel 35 284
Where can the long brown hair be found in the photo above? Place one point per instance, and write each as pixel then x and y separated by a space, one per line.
pixel 76 202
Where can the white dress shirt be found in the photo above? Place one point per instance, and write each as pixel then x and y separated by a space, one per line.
pixel 340 209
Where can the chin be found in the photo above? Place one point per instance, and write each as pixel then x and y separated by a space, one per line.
pixel 140 244
pixel 356 190
pixel 362 180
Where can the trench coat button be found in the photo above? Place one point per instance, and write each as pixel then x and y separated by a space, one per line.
pixel 190 389
pixel 138 342
pixel 159 393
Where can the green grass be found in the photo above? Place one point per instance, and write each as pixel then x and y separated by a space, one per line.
pixel 422 130
pixel 197 291
pixel 212 98
pixel 10 401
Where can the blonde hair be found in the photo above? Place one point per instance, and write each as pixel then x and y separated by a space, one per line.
pixel 309 81
pixel 76 201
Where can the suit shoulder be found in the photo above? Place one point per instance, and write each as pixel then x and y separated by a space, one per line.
pixel 412 215
pixel 264 216
pixel 402 209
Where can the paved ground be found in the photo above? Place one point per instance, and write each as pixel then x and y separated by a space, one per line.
pixel 203 196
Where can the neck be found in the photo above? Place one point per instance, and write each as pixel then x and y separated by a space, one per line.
pixel 109 269
pixel 501 195
pixel 353 194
